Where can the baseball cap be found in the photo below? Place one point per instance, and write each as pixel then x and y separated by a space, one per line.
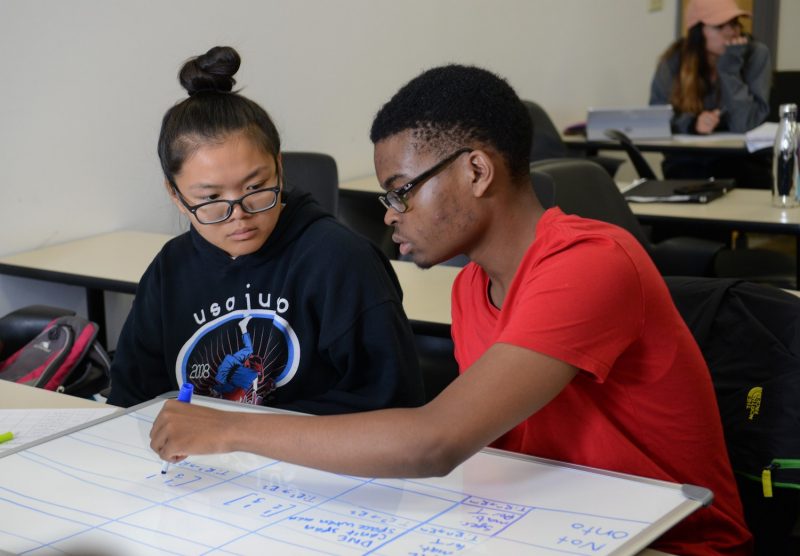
pixel 712 12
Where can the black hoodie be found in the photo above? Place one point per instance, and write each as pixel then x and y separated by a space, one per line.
pixel 327 332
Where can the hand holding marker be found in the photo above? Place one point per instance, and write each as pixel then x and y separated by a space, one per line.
pixel 185 396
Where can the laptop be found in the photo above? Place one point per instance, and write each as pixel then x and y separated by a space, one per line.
pixel 647 122
pixel 677 191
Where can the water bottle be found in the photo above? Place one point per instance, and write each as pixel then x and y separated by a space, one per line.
pixel 785 165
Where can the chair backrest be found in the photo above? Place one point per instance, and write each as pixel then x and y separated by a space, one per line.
pixel 544 188
pixel 314 173
pixel 785 89
pixel 547 141
pixel 362 213
pixel 437 362
pixel 582 187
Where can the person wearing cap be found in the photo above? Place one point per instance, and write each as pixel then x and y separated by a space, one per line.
pixel 717 79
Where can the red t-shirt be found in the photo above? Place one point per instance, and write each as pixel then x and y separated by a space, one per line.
pixel 588 294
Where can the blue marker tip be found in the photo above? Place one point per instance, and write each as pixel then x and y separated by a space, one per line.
pixel 185 396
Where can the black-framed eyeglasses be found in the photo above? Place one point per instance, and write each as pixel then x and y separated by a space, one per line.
pixel 396 198
pixel 214 212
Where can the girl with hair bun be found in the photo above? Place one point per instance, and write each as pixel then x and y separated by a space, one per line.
pixel 717 79
pixel 262 274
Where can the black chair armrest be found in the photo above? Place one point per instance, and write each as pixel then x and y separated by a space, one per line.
pixel 638 161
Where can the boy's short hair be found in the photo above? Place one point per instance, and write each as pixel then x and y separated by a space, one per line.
pixel 452 106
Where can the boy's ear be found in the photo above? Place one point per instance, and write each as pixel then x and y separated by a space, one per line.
pixel 482 168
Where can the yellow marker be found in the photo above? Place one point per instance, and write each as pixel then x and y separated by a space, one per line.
pixel 6 436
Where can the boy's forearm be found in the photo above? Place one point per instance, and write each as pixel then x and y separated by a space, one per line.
pixel 386 443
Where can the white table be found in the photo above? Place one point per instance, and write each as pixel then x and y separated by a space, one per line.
pixel 745 210
pixel 725 143
pixel 115 262
pixel 748 209
pixel 365 184
pixel 22 396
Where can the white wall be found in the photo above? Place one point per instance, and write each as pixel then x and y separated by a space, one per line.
pixel 788 56
pixel 84 84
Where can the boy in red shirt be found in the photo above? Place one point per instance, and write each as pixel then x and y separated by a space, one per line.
pixel 566 336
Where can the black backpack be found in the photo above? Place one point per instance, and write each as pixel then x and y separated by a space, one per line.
pixel 750 337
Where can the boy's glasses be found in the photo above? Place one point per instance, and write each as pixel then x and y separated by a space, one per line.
pixel 396 198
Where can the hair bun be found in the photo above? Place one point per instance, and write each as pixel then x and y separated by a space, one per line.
pixel 212 71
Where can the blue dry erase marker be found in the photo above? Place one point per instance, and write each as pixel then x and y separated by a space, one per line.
pixel 185 396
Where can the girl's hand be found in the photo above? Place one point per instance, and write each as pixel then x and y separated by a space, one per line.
pixel 707 121
pixel 183 429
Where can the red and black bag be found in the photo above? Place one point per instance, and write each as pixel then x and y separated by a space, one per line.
pixel 64 357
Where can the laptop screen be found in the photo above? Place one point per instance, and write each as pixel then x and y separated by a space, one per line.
pixel 647 122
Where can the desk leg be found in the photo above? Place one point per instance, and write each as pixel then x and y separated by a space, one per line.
pixel 96 311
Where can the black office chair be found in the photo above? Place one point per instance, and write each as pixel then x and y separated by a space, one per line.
pixel 547 141
pixel 363 213
pixel 750 338
pixel 785 89
pixel 437 362
pixel 582 187
pixel 313 173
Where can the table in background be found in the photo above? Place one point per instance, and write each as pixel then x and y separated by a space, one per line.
pixel 109 262
pixel 22 396
pixel 367 185
pixel 115 262
pixel 746 210
pixel 726 144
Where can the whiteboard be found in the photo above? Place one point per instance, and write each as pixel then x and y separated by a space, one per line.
pixel 99 488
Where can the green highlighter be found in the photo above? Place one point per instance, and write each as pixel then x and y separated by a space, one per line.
pixel 6 436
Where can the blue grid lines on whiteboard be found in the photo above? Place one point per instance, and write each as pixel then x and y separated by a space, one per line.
pixel 100 489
